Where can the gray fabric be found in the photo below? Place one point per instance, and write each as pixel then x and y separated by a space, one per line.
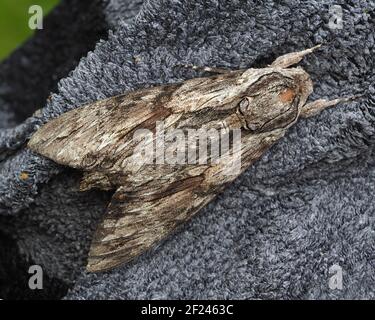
pixel 306 205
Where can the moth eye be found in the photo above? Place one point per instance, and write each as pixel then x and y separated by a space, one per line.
pixel 244 105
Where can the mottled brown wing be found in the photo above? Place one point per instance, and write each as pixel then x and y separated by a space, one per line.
pixel 135 223
pixel 87 137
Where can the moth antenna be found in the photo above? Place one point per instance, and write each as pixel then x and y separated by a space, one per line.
pixel 315 107
pixel 292 58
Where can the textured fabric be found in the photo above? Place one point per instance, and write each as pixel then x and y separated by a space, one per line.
pixel 305 206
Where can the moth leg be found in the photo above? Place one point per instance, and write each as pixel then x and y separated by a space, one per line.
pixel 208 69
pixel 315 107
pixel 95 180
pixel 292 58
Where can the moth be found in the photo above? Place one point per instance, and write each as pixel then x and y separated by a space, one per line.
pixel 151 199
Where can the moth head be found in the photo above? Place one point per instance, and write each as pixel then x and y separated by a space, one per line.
pixel 274 99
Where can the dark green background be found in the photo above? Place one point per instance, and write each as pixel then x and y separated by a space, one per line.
pixel 14 22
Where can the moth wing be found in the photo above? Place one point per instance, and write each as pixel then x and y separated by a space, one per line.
pixel 86 137
pixel 136 223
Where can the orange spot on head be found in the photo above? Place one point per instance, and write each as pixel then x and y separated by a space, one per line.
pixel 24 176
pixel 287 96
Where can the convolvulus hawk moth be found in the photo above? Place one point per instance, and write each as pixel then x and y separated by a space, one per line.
pixel 152 198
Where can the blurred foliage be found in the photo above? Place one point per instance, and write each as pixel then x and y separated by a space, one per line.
pixel 14 22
